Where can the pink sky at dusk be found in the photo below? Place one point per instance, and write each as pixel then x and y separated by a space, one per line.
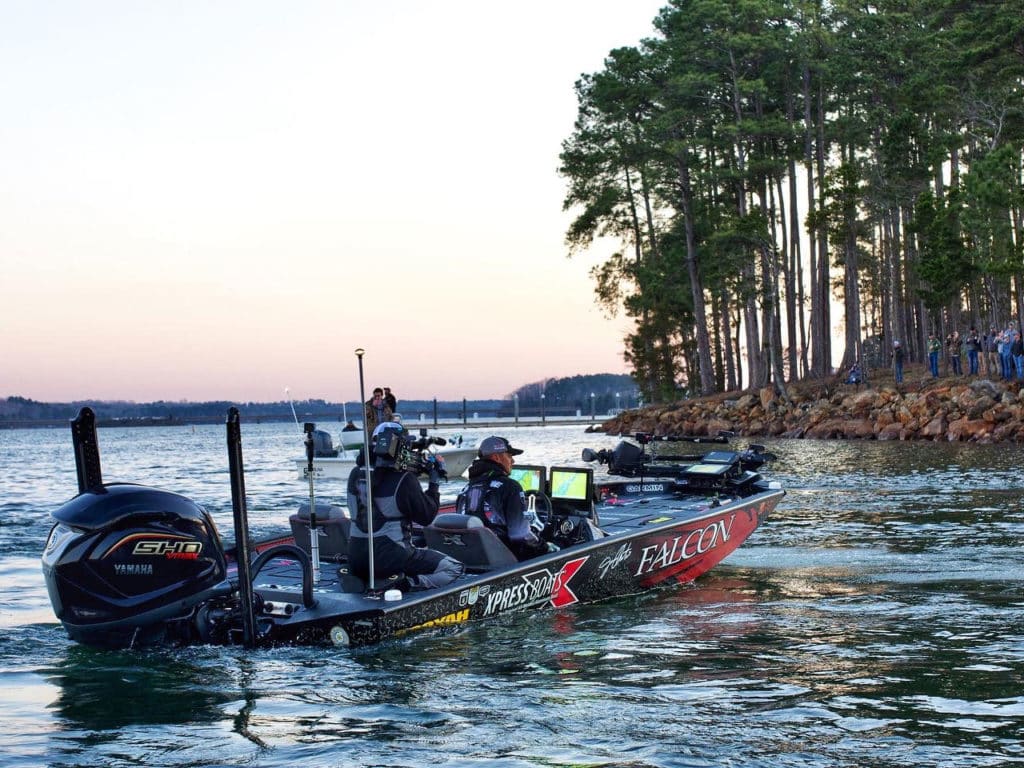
pixel 217 201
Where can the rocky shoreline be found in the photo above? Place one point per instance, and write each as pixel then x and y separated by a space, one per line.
pixel 954 409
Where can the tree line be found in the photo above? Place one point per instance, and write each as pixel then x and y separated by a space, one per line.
pixel 597 392
pixel 756 158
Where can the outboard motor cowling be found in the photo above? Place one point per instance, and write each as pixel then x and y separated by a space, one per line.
pixel 323 445
pixel 626 458
pixel 126 564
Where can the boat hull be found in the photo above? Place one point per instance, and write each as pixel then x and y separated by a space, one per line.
pixel 658 551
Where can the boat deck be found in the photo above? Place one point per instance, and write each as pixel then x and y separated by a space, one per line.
pixel 619 516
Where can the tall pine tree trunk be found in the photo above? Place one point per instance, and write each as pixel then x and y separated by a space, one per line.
pixel 707 375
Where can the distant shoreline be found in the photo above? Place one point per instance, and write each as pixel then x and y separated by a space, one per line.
pixel 155 421
pixel 475 421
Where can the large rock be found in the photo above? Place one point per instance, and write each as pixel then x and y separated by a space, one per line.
pixel 828 430
pixel 717 425
pixel 934 428
pixel 986 388
pixel 884 419
pixel 892 431
pixel 981 404
pixel 966 429
pixel 996 414
pixel 860 402
pixel 859 428
pixel 745 403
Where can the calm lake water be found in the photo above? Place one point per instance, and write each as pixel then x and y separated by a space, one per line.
pixel 877 619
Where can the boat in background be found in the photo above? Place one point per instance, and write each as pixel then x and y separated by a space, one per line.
pixel 128 566
pixel 330 463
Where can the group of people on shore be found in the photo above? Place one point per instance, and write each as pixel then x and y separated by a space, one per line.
pixel 998 352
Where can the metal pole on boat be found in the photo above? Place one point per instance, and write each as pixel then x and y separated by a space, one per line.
pixel 87 450
pixel 366 469
pixel 314 537
pixel 241 527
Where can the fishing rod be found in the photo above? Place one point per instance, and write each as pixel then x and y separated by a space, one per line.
pixel 288 394
pixel 366 455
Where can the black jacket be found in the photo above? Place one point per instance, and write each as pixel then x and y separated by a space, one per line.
pixel 398 502
pixel 499 501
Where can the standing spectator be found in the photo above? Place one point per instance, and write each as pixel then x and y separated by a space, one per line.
pixel 1017 351
pixel 390 399
pixel 988 352
pixel 933 355
pixel 376 411
pixel 1005 356
pixel 973 348
pixel 897 362
pixel 954 344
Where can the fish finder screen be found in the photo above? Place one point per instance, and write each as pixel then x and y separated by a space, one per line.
pixel 573 484
pixel 531 478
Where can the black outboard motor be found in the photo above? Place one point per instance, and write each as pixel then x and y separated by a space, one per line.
pixel 323 445
pixel 626 460
pixel 129 565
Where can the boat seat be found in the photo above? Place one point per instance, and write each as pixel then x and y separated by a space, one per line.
pixel 333 523
pixel 468 540
pixel 350 583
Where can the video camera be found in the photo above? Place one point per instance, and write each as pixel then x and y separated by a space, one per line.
pixel 425 441
pixel 409 455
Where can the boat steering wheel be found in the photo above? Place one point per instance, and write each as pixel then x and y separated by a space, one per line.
pixel 540 505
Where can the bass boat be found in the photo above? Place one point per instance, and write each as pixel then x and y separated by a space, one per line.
pixel 128 565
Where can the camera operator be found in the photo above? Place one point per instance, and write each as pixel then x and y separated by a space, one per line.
pixel 398 502
pixel 499 500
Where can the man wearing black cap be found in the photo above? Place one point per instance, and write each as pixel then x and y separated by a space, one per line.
pixel 499 500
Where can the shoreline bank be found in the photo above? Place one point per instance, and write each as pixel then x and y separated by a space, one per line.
pixel 952 408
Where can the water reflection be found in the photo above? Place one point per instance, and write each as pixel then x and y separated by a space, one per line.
pixel 102 691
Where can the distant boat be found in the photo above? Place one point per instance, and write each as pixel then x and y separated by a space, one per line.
pixel 336 464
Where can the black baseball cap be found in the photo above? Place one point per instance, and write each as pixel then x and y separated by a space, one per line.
pixel 495 444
